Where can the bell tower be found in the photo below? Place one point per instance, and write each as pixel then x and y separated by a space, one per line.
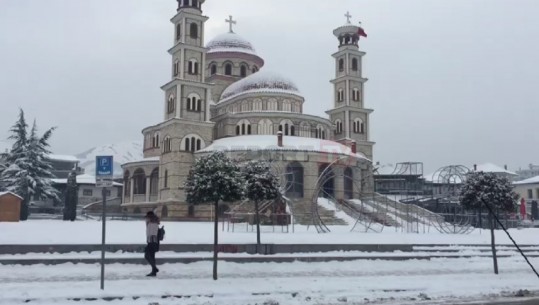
pixel 187 127
pixel 349 115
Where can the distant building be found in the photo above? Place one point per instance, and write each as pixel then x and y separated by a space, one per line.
pixel 405 179
pixel 88 192
pixel 63 165
pixel 531 171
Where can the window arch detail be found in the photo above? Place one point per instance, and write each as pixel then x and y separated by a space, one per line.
pixel 338 126
pixel 194 103
pixel 171 104
pixel 193 30
pixel 265 127
pixel 287 128
pixel 192 143
pixel 243 128
pixel 359 126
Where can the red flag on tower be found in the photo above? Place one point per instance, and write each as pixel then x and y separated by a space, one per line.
pixel 361 32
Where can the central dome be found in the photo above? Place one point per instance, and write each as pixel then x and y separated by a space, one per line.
pixel 230 42
pixel 262 81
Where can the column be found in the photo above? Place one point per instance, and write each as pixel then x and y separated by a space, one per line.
pixel 347 123
pixel 132 190
pixel 148 180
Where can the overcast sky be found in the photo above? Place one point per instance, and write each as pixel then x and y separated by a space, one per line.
pixel 451 81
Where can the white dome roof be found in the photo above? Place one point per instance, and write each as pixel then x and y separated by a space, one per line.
pixel 230 42
pixel 261 81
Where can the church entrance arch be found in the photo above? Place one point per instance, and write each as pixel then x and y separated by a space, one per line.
pixel 327 178
pixel 294 180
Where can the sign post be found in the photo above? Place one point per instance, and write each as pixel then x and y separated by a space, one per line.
pixel 103 179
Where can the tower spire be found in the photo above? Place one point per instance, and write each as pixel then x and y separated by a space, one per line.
pixel 230 22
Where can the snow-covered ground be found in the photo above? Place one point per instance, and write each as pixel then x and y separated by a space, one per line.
pixel 133 232
pixel 357 282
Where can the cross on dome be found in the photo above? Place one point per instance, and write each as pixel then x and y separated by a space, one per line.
pixel 231 22
pixel 348 16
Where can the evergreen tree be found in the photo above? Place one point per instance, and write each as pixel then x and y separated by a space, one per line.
pixel 71 197
pixel 28 172
pixel 214 178
pixel 495 193
pixel 260 184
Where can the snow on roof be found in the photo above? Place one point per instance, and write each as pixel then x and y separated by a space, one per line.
pixel 261 81
pixel 290 143
pixel 66 158
pixel 5 193
pixel 493 168
pixel 230 42
pixel 82 179
pixel 533 180
pixel 151 159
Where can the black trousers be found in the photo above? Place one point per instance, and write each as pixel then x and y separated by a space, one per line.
pixel 149 254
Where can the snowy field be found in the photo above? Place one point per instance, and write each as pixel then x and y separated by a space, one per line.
pixel 438 281
pixel 133 232
pixel 358 282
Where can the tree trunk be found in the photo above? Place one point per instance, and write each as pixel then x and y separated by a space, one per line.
pixel 257 220
pixel 215 239
pixel 25 209
pixel 493 243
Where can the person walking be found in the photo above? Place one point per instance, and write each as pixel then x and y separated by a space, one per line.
pixel 152 229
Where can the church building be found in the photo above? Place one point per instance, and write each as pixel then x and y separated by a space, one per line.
pixel 222 97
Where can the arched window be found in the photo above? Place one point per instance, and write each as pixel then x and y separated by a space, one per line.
pixel 338 125
pixel 359 127
pixel 171 105
pixel 340 95
pixel 192 143
pixel 243 127
pixel 155 140
pixel 176 67
pixel 320 132
pixel 272 104
pixel 213 69
pixel 193 30
pixel 228 69
pixel 257 105
pixel 286 127
pixel 243 71
pixel 354 64
pixel 265 127
pixel 255 69
pixel 341 65
pixel 178 31
pixel 287 106
pixel 194 103
pixel 139 182
pixel 305 130
pixel 193 67
pixel 355 94
pixel 245 106
pixel 167 145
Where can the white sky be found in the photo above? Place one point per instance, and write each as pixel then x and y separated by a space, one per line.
pixel 451 81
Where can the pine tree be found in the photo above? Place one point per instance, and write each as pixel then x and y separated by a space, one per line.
pixel 28 172
pixel 495 193
pixel 260 184
pixel 212 179
pixel 71 197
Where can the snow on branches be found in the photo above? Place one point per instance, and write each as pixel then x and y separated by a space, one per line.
pixel 214 178
pixel 488 188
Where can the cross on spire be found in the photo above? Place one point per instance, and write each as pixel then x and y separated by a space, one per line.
pixel 231 22
pixel 348 16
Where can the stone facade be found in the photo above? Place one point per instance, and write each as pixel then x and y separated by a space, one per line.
pixel 217 92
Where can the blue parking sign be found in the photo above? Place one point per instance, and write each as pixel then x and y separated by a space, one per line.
pixel 103 166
